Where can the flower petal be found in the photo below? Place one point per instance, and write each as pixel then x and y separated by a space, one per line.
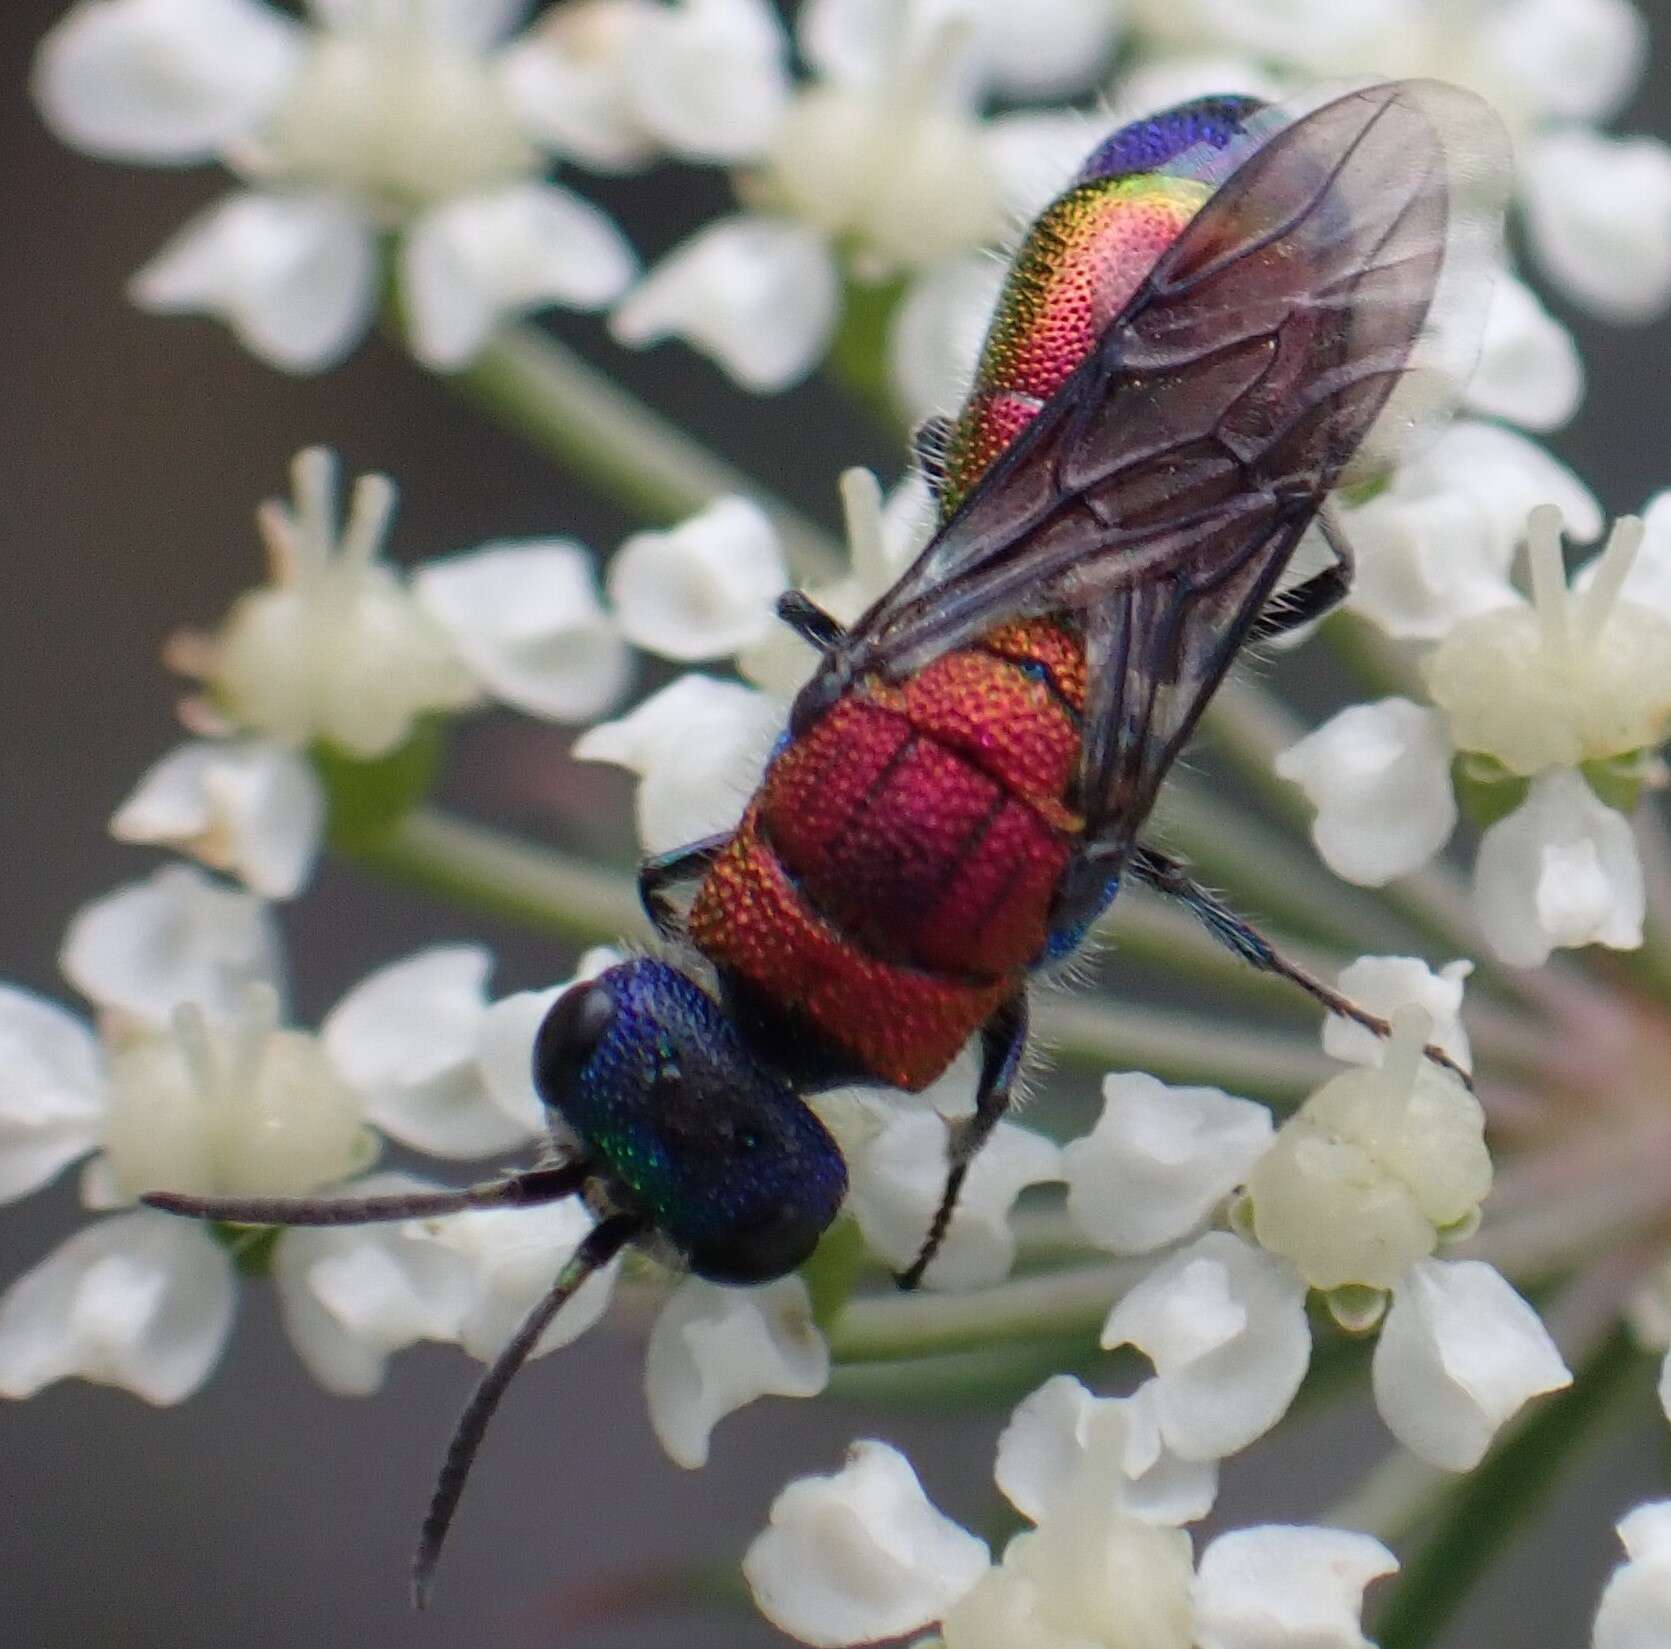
pixel 699 746
pixel 294 276
pixel 526 619
pixel 710 78
pixel 470 263
pixel 714 1349
pixel 758 295
pixel 353 1294
pixel 1049 47
pixel 1571 59
pixel 52 1100
pixel 1379 777
pixel 1560 871
pixel 514 1256
pixel 1047 1439
pixel 1224 1325
pixel 898 1179
pixel 143 1301
pixel 249 807
pixel 860 1555
pixel 167 81
pixel 1384 984
pixel 1159 1161
pixel 406 1039
pixel 1635 1610
pixel 177 937
pixel 1530 371
pixel 1599 211
pixel 704 588
pixel 1276 1588
pixel 1460 1354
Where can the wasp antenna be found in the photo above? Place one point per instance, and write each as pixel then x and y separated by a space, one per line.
pixel 523 1190
pixel 602 1243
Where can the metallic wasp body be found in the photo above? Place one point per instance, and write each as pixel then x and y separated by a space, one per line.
pixel 1231 313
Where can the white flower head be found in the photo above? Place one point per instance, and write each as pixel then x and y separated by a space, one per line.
pixel 1374 1168
pixel 362 123
pixel 715 1349
pixel 1571 677
pixel 1379 777
pixel 249 807
pixel 1635 1610
pixel 1159 1161
pixel 335 648
pixel 898 1176
pixel 860 1555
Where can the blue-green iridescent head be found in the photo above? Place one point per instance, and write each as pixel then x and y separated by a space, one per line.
pixel 711 1147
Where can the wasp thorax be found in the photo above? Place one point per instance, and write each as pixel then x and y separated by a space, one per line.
pixel 689 1128
pixel 394 112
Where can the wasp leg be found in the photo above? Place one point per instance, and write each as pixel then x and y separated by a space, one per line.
pixel 600 1245
pixel 1166 875
pixel 664 871
pixel 1318 595
pixel 809 621
pixel 1003 1040
pixel 524 1190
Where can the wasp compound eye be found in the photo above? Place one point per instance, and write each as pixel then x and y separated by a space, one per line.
pixel 568 1036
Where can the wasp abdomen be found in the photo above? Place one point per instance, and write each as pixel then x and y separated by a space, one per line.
pixel 894 876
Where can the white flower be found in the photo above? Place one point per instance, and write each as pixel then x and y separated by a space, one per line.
pixel 194 1085
pixel 880 164
pixel 1379 778
pixel 339 648
pixel 247 807
pixel 715 1349
pixel 860 1555
pixel 1560 871
pixel 1225 1327
pixel 1635 1610
pixel 897 1179
pixel 863 1555
pixel 365 121
pixel 1374 1168
pixel 1159 1161
pixel 703 589
pixel 1460 1354
pixel 1529 371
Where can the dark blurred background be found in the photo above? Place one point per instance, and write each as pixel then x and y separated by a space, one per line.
pixel 265 1513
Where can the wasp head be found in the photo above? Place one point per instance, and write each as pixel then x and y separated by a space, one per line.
pixel 688 1127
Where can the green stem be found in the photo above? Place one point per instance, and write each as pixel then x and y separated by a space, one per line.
pixel 592 426
pixel 1477 1519
pixel 483 869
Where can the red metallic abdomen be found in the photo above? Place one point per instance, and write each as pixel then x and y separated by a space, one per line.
pixel 892 879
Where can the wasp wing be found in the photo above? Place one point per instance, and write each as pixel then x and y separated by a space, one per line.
pixel 1318 313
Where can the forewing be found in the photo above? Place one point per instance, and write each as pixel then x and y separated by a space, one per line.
pixel 1303 329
